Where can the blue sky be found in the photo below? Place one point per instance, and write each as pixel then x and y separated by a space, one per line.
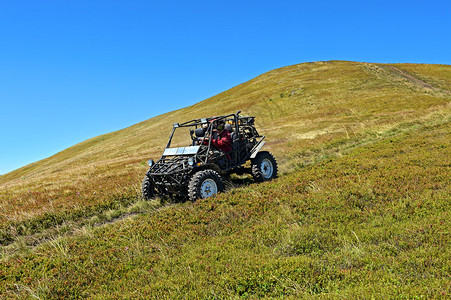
pixel 72 70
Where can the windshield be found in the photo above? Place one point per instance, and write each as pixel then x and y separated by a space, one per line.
pixel 181 137
pixel 186 136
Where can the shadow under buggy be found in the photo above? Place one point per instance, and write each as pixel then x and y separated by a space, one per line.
pixel 197 169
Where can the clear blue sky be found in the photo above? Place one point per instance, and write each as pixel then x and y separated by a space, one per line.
pixel 74 69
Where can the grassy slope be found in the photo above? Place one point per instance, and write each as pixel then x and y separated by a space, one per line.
pixel 297 107
pixel 373 223
pixel 309 112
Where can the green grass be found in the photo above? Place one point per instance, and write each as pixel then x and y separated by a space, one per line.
pixel 360 211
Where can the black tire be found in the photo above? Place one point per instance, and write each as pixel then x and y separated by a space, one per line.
pixel 147 188
pixel 264 167
pixel 204 184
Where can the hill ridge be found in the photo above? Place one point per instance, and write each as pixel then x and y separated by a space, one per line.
pixel 359 209
pixel 297 107
pixel 391 68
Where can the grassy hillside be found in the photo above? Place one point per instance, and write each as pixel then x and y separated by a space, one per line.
pixel 361 210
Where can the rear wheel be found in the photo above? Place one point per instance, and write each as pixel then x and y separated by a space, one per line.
pixel 147 188
pixel 264 167
pixel 204 184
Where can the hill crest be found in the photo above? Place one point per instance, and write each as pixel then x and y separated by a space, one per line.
pixel 413 80
pixel 358 211
pixel 297 108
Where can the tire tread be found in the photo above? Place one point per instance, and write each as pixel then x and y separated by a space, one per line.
pixel 256 162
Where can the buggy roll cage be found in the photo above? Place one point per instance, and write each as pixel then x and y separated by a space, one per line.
pixel 209 124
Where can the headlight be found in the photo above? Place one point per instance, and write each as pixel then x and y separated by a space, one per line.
pixel 191 161
pixel 150 162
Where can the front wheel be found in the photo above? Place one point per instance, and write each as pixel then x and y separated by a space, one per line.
pixel 204 184
pixel 147 188
pixel 264 167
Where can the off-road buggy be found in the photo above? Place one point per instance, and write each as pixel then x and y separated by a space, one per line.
pixel 196 169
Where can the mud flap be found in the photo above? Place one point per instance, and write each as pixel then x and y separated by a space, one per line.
pixel 256 149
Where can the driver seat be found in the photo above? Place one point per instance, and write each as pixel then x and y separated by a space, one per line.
pixel 199 133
